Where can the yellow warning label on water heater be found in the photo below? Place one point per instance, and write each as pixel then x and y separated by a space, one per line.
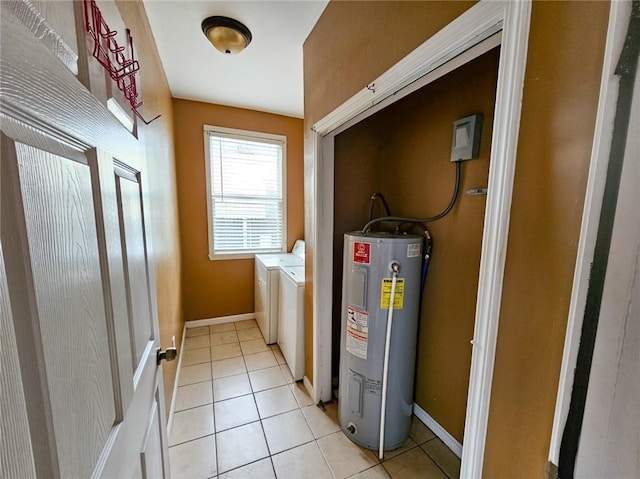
pixel 385 293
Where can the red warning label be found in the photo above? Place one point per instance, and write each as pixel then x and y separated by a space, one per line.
pixel 362 253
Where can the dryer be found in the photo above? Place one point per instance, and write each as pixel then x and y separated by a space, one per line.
pixel 291 318
pixel 267 285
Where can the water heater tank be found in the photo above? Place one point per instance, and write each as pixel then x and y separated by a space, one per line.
pixel 366 294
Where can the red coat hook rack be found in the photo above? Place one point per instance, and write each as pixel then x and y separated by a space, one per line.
pixel 112 56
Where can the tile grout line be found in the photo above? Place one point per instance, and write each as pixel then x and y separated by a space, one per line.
pixel 253 394
pixel 244 465
pixel 261 419
pixel 235 329
pixel 213 406
pixel 433 459
pixel 325 459
pixel 194 407
pixel 174 411
pixel 191 440
pixel 197 382
pixel 257 410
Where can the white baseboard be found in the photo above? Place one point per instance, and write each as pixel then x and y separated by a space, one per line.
pixel 308 385
pixel 196 323
pixel 175 382
pixel 438 430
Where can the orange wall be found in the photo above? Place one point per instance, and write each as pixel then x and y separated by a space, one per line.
pixel 564 65
pixel 157 139
pixel 345 52
pixel 224 287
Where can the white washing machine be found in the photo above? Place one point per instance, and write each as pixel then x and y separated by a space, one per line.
pixel 267 281
pixel 291 318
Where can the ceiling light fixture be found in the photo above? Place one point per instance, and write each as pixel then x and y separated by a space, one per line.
pixel 226 34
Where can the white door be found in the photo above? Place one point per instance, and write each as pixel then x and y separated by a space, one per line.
pixel 78 288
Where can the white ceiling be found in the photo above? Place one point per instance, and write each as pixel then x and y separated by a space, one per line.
pixel 267 76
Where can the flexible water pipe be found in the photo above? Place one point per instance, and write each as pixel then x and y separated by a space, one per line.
pixel 395 268
pixel 429 219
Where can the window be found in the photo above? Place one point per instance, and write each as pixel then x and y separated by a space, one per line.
pixel 245 193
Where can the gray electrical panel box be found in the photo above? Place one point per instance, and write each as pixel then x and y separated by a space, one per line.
pixel 466 138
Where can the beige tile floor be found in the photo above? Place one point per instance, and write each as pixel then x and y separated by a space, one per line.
pixel 239 414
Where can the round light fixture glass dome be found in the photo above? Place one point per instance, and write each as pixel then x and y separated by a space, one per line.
pixel 229 36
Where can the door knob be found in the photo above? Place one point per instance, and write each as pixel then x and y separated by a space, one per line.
pixel 168 354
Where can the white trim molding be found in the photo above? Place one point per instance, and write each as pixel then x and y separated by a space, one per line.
pixel 607 101
pixel 442 434
pixel 323 268
pixel 196 323
pixel 307 384
pixel 236 134
pixel 175 383
pixel 473 26
pixel 477 24
pixel 506 127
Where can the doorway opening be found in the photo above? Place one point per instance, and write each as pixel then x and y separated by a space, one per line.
pixel 427 63
pixel 403 151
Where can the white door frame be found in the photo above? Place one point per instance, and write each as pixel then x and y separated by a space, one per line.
pixel 476 24
pixel 607 102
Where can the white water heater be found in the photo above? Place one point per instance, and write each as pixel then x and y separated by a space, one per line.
pixel 377 364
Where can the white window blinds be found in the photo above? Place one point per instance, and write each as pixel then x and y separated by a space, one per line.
pixel 246 193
